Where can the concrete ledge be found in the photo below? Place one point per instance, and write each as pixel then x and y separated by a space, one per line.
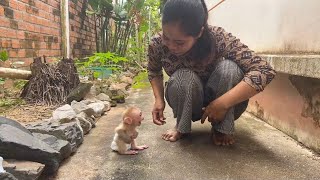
pixel 301 65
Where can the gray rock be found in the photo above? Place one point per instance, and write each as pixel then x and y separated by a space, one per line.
pixel 88 118
pixel 62 146
pixel 25 170
pixel 71 132
pixel 119 86
pixel 103 97
pixel 90 101
pixel 107 105
pixel 79 107
pixel 98 107
pixel 125 79
pixel 79 92
pixel 92 92
pixel 86 125
pixel 64 114
pixel 13 123
pixel 7 176
pixel 17 144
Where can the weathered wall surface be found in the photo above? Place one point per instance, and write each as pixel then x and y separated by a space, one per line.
pixel 31 28
pixel 272 26
pixel 291 104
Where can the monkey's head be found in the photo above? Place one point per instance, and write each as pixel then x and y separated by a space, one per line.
pixel 133 116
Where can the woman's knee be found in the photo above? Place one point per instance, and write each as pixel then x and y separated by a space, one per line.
pixel 184 78
pixel 229 70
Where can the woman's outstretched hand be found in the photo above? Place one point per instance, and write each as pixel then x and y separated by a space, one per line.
pixel 215 111
pixel 157 113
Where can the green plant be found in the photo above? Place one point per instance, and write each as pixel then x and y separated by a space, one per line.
pixel 141 80
pixel 109 59
pixel 100 63
pixel 2 81
pixel 4 55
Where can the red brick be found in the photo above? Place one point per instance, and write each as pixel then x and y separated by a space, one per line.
pixel 43 45
pixel 6 43
pixel 22 7
pixel 5 32
pixel 21 53
pixel 4 22
pixel 13 53
pixel 36 28
pixel 18 15
pixel 33 19
pixel 30 27
pixel 43 52
pixel 1 11
pixel 22 25
pixel 20 35
pixel 55 32
pixel 46 23
pixel 14 5
pixel 15 44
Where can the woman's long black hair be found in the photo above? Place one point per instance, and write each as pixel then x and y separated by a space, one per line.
pixel 192 15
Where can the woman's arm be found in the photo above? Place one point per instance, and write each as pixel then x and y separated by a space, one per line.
pixel 156 79
pixel 257 75
pixel 159 105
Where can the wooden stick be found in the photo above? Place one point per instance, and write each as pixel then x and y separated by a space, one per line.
pixel 216 5
pixel 14 73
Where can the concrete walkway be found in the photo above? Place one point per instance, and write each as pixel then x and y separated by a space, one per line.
pixel 261 152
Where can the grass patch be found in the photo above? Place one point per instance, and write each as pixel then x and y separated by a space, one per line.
pixel 7 103
pixel 141 81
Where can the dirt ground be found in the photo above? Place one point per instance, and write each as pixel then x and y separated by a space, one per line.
pixel 13 107
pixel 28 113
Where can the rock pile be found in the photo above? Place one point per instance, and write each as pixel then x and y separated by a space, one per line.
pixel 40 147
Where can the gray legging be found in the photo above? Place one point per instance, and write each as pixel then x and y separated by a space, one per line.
pixel 186 95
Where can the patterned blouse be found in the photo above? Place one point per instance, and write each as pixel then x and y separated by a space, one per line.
pixel 257 72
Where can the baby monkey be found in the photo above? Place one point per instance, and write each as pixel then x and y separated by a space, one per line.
pixel 124 140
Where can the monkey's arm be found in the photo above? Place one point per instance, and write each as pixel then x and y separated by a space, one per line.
pixel 124 136
pixel 135 147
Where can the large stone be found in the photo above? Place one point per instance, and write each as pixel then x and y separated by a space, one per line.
pixel 103 97
pixel 92 92
pixel 79 92
pixel 98 107
pixel 13 123
pixel 119 86
pixel 85 125
pixel 62 146
pixel 25 170
pixel 127 80
pixel 71 132
pixel 7 176
pixel 88 118
pixel 17 144
pixel 79 107
pixel 64 114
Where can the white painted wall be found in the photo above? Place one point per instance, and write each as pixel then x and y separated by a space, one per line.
pixel 276 26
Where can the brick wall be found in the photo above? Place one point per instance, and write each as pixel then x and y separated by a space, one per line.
pixel 31 28
pixel 82 29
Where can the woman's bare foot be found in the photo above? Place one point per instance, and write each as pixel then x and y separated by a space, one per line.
pixel 171 135
pixel 222 139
